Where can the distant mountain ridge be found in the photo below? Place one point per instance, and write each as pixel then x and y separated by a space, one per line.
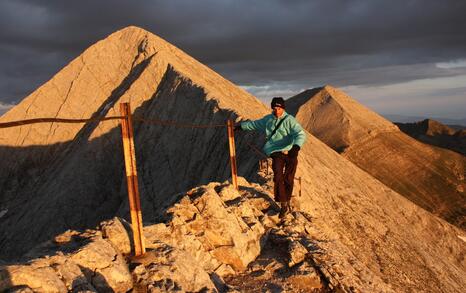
pixel 434 133
pixel 427 127
pixel 412 119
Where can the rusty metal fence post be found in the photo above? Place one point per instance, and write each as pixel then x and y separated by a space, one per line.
pixel 132 179
pixel 231 141
pixel 300 186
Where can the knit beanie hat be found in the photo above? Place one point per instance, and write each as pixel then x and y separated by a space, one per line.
pixel 278 102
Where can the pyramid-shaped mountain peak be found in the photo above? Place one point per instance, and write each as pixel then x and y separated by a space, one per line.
pixel 133 29
pixel 73 169
pixel 326 90
pixel 129 65
pixel 329 94
pixel 335 117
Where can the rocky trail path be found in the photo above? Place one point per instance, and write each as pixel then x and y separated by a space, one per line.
pixel 284 265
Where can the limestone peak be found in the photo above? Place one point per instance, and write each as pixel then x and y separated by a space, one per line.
pixel 335 117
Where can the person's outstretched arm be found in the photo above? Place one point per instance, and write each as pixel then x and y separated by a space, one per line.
pixel 258 125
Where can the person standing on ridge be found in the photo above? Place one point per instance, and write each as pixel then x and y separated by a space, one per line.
pixel 284 139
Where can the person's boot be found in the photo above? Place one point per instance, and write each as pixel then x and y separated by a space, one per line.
pixel 285 209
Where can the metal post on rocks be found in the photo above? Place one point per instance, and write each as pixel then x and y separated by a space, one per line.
pixel 132 178
pixel 231 142
pixel 300 186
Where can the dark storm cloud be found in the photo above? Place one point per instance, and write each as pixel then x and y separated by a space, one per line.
pixel 252 43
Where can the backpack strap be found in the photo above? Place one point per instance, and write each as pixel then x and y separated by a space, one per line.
pixel 276 128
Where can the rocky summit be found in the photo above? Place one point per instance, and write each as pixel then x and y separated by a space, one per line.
pixel 432 178
pixel 58 182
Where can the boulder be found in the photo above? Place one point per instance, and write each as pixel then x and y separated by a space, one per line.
pixel 297 253
pixel 169 269
pixel 216 224
pixel 119 233
pixel 103 266
pixel 52 274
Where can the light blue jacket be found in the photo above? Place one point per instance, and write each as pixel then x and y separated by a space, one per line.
pixel 289 133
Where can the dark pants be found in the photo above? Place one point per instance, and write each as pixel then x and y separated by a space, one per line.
pixel 284 169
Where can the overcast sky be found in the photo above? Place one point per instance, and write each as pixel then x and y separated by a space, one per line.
pixel 397 57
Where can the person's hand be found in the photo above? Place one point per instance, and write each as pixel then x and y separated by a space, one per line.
pixel 238 127
pixel 294 151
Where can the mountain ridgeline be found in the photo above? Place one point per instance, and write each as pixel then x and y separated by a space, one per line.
pixel 435 133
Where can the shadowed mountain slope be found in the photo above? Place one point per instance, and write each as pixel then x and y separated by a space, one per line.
pixel 56 177
pixel 430 177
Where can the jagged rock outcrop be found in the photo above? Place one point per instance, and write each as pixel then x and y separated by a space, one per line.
pixel 430 177
pixel 211 232
pixel 435 133
pixel 74 262
pixel 371 237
